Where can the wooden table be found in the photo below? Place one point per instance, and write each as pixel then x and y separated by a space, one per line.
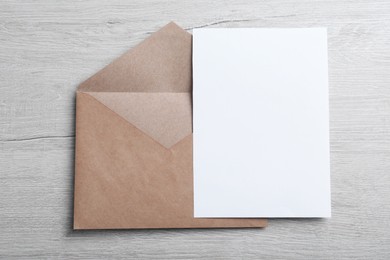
pixel 48 47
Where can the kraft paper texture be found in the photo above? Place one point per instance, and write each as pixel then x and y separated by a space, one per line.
pixel 134 141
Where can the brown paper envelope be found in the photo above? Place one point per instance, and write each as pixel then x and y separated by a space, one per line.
pixel 134 141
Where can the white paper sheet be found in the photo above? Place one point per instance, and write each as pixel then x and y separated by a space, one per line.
pixel 261 127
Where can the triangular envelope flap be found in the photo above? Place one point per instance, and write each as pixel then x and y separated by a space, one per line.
pixel 165 117
pixel 161 63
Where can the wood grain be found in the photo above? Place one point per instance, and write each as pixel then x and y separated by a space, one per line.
pixel 49 47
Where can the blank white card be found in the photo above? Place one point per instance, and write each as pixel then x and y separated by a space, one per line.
pixel 261 123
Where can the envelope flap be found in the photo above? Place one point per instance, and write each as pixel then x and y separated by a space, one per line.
pixel 165 117
pixel 161 63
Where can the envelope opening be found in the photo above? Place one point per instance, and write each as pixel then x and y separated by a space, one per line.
pixel 165 117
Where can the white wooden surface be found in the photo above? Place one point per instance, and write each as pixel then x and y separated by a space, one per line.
pixel 48 47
